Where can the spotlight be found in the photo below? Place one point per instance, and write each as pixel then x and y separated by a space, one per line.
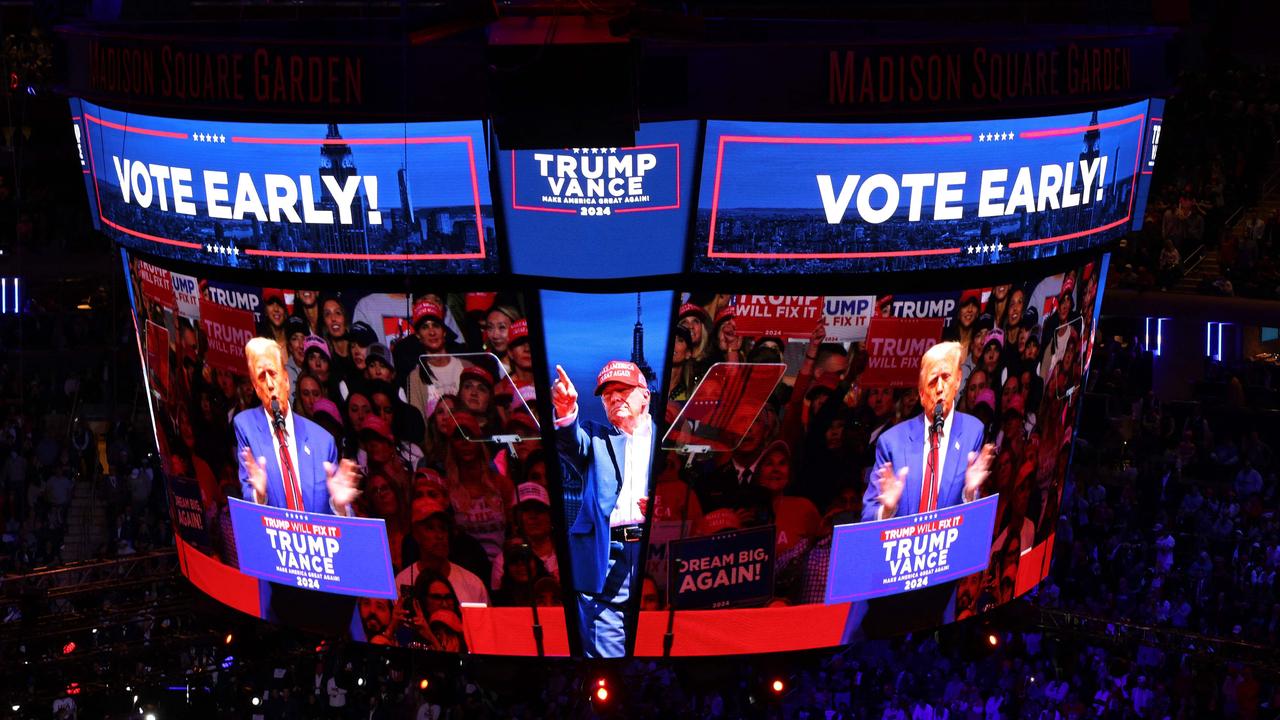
pixel 360 682
pixel 68 648
pixel 600 682
pixel 778 686
pixel 422 684
pixel 150 716
pixel 227 640
pixel 256 700
pixel 602 693
pixel 16 708
pixel 993 640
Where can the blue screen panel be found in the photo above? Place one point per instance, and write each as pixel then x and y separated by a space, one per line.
pixel 306 197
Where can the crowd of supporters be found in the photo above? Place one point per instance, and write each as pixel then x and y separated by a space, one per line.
pixel 48 457
pixel 805 462
pixel 1216 164
pixel 411 387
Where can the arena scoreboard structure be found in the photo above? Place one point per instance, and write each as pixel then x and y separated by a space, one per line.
pixel 374 332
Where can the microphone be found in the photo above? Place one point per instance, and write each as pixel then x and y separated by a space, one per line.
pixel 936 426
pixel 278 416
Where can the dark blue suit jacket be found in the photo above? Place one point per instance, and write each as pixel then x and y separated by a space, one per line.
pixel 315 448
pixel 903 445
pixel 597 452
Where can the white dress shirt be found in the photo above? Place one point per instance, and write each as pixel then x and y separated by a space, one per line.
pixel 636 455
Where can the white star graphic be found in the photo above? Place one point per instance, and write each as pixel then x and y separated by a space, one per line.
pixel 235 251
pixel 208 247
pixel 981 138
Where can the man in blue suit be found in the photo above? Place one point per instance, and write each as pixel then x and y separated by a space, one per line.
pixel 300 472
pixel 287 461
pixel 937 438
pixel 612 462
pixel 931 461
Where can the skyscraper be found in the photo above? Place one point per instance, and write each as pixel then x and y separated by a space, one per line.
pixel 637 351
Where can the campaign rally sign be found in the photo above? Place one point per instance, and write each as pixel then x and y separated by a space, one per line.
pixel 226 331
pixel 155 283
pixel 186 291
pixel 335 197
pixel 158 354
pixel 188 511
pixel 596 182
pixel 822 197
pixel 787 316
pixel 727 569
pixel 847 317
pixel 886 557
pixel 604 212
pixel 894 348
pixel 343 555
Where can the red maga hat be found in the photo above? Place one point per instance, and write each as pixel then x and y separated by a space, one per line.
pixel 693 309
pixel 518 332
pixel 620 371
pixel 424 309
pixel 475 372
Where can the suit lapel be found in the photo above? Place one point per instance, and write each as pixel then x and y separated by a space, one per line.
pixel 954 461
pixel 616 443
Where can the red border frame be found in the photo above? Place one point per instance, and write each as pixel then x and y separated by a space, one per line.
pixel 619 211
pixel 461 139
pixel 910 140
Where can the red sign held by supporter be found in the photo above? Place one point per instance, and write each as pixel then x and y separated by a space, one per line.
pixel 158 354
pixel 227 330
pixel 895 346
pixel 787 316
pixel 156 284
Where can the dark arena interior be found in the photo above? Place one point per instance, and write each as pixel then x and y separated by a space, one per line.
pixel 442 359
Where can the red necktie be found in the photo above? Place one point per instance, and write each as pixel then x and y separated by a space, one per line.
pixel 929 493
pixel 292 490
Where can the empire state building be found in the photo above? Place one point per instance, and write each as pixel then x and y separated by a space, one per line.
pixel 336 160
pixel 637 351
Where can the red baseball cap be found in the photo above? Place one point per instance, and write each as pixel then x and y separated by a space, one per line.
pixel 475 372
pixel 519 332
pixel 424 309
pixel 620 371
pixel 377 426
pixel 725 315
pixel 971 296
pixel 693 309
pixel 467 423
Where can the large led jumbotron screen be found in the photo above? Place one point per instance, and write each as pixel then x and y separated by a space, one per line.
pixel 441 490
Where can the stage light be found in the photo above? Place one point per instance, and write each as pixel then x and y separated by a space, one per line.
pixel 992 640
pixel 360 682
pixel 69 648
pixel 778 686
pixel 600 682
pixel 422 684
pixel 227 640
pixel 602 693
pixel 228 661
pixel 16 708
pixel 150 716
pixel 256 700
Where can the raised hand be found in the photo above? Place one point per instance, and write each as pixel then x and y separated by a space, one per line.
pixel 890 485
pixel 977 471
pixel 564 397
pixel 343 485
pixel 816 337
pixel 257 476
